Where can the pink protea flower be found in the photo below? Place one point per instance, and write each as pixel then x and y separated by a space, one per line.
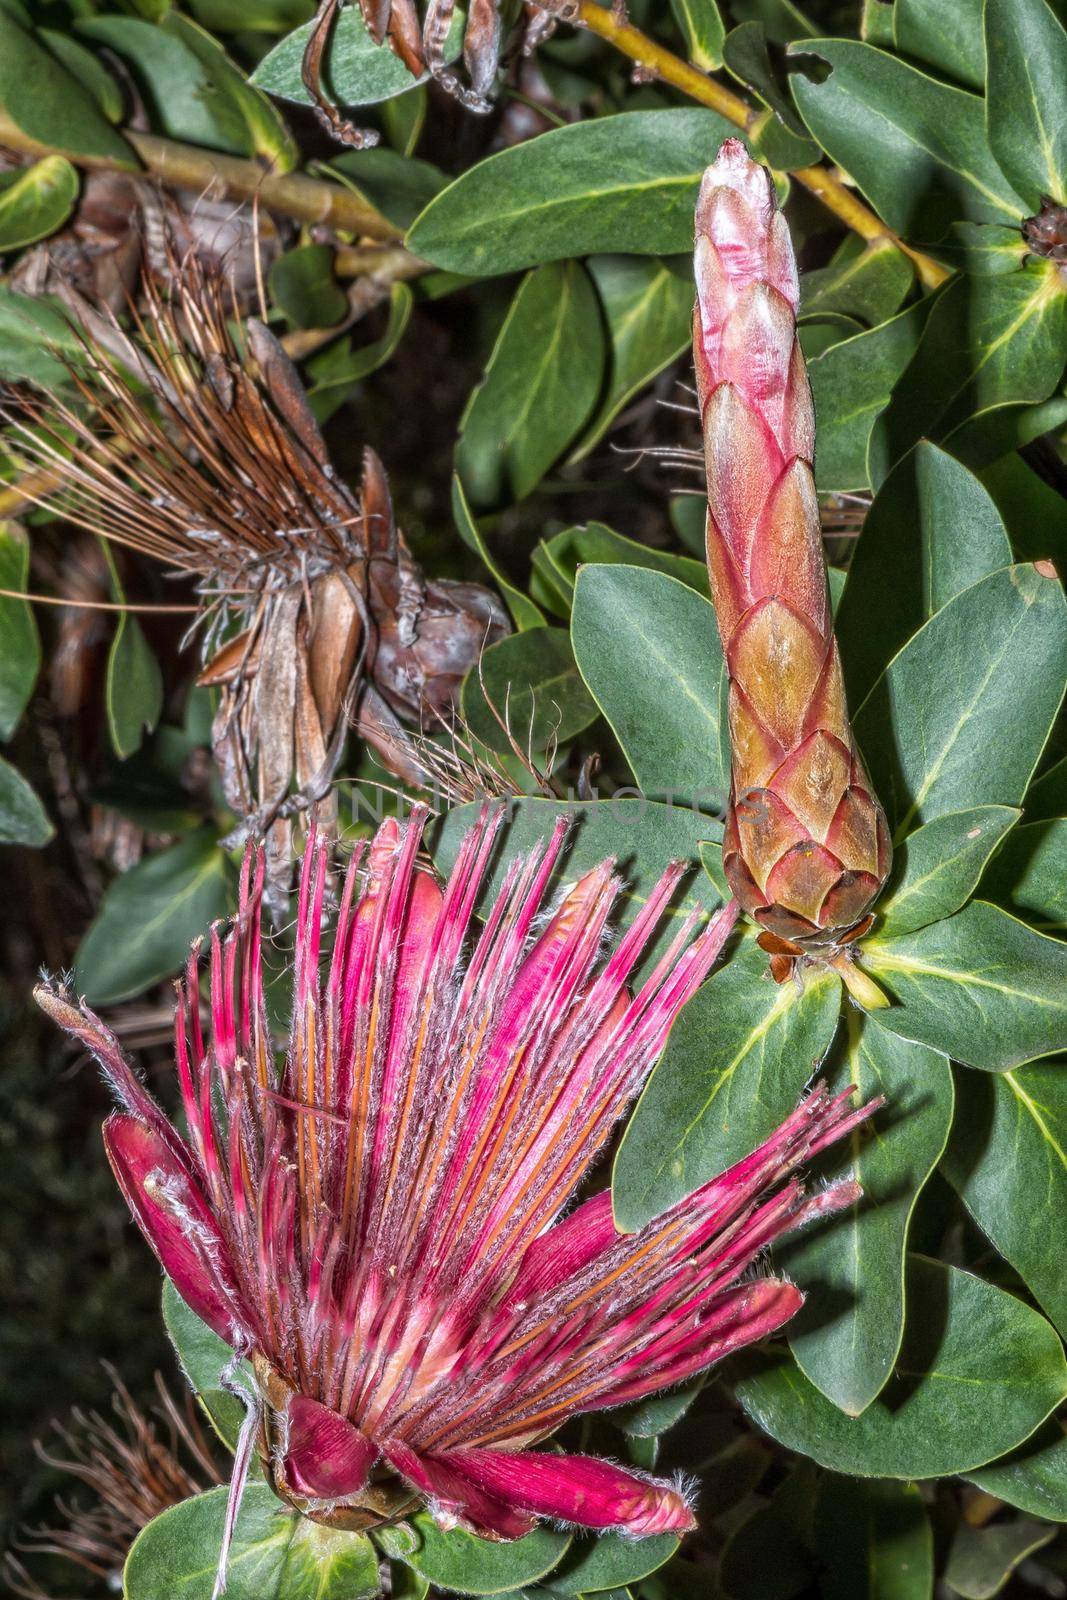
pixel 378 1224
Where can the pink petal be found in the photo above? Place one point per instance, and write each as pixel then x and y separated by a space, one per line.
pixel 174 1217
pixel 453 1498
pixel 328 1458
pixel 579 1489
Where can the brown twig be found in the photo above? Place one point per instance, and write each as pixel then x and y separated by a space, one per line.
pixel 183 166
pixel 822 183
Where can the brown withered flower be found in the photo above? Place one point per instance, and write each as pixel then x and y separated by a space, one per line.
pixel 135 1466
pixel 196 445
pixel 421 47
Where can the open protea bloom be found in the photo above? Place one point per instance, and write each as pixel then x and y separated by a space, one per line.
pixel 806 848
pixel 378 1224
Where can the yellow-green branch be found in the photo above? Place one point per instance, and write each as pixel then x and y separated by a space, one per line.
pixel 823 183
pixel 183 166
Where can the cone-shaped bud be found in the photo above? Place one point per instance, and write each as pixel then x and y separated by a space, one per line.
pixel 806 848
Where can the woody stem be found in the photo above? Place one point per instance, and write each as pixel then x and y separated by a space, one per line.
pixel 822 183
pixel 183 166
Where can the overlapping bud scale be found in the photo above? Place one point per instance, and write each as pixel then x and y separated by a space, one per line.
pixel 806 848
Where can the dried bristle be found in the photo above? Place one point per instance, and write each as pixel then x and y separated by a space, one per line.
pixel 179 449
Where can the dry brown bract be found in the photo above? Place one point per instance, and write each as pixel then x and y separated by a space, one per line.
pixel 204 453
pixel 421 47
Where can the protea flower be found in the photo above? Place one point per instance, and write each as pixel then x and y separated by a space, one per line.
pixel 314 611
pixel 806 847
pixel 380 1225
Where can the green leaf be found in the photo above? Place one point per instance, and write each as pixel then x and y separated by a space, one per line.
pixel 1029 875
pixel 643 836
pixel 984 248
pixel 460 1561
pixel 977 1374
pixel 204 1359
pixel 35 201
pixel 20 644
pixel 875 1540
pixel 524 613
pixel 736 1063
pixel 621 183
pixel 979 986
pixel 868 283
pixel 932 531
pixel 266 133
pixel 355 70
pixel 150 916
pixel 852 383
pixel 1007 1160
pixel 23 820
pixel 396 185
pixel 184 97
pixel 846 1344
pixel 648 307
pixel 540 385
pixel 609 1561
pixel 595 544
pixel 276 1554
pixel 337 369
pixel 1026 119
pixel 250 16
pixel 932 727
pixel 1034 1477
pixel 1034 513
pixel 936 868
pixel 530 681
pixel 133 687
pixel 648 648
pixel 82 64
pixel 782 140
pixel 302 283
pixel 1047 795
pixel 703 32
pixel 948 37
pixel 916 147
pixel 33 336
pixel 981 1560
pixel 989 341
pixel 43 99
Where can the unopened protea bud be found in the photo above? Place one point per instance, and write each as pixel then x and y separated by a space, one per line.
pixel 806 848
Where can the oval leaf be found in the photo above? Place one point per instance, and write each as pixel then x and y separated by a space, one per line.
pixel 356 71
pixel 915 146
pixel 20 644
pixel 979 986
pixel 1007 1160
pixel 937 867
pixel 875 1539
pixel 854 1268
pixel 47 102
pixel 736 1063
pixel 1026 52
pixel 626 182
pixel 539 387
pixel 150 916
pixel 932 531
pixel 460 1561
pixel 529 681
pixel 35 201
pixel 276 1554
pixel 978 1372
pixel 932 727
pixel 22 817
pixel 648 648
